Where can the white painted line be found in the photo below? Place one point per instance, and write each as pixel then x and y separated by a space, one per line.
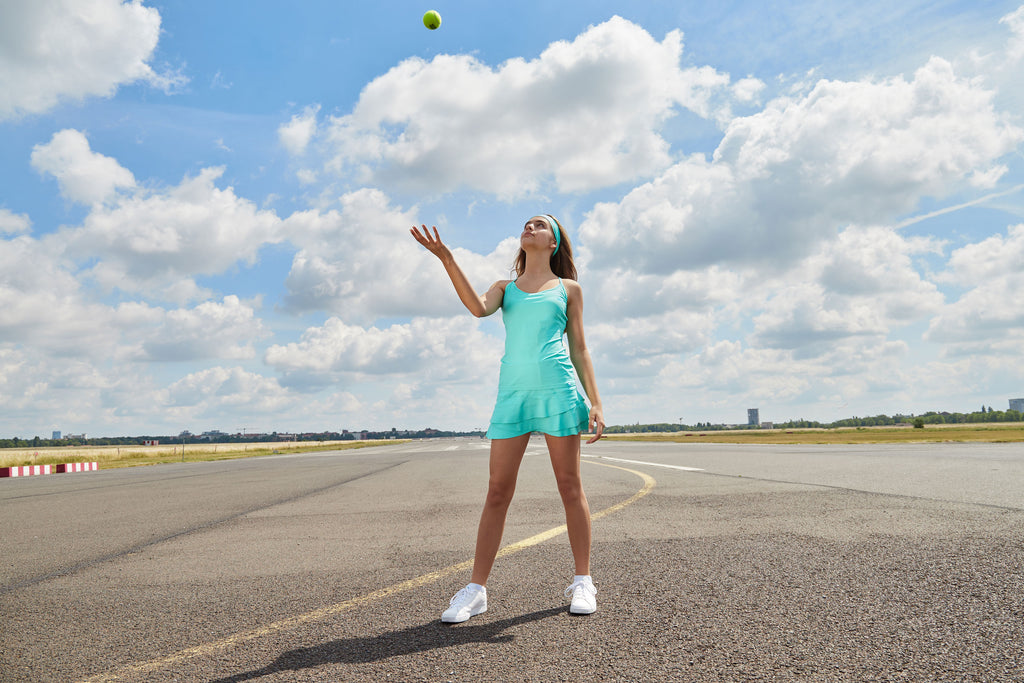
pixel 652 464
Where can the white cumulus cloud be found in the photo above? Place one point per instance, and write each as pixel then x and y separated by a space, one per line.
pixel 14 223
pixel 876 266
pixel 804 317
pixel 343 252
pixel 989 316
pixel 1015 22
pixel 993 257
pixel 984 317
pixel 84 176
pixel 219 330
pixel 216 392
pixel 51 50
pixel 158 241
pixel 441 349
pixel 786 178
pixel 585 114
pixel 296 134
pixel 42 304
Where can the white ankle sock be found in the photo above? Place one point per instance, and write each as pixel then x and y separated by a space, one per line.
pixel 477 587
pixel 579 577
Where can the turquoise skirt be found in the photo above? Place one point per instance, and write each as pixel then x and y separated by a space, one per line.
pixel 559 411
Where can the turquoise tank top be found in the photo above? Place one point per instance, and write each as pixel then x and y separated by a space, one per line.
pixel 537 385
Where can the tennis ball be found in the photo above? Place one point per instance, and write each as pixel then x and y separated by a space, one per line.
pixel 432 19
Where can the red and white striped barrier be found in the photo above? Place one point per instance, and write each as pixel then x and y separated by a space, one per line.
pixel 78 467
pixel 24 471
pixel 29 470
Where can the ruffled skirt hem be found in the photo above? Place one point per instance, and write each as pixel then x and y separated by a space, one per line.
pixel 557 413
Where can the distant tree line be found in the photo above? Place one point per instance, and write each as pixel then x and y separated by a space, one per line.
pixel 986 414
pixel 38 442
pixel 667 427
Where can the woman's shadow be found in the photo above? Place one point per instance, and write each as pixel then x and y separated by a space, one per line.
pixel 430 636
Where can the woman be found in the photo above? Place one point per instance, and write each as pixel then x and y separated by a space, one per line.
pixel 536 393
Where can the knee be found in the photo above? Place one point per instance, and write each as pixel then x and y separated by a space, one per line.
pixel 570 489
pixel 499 495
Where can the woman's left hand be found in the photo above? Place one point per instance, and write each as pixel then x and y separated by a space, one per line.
pixel 596 423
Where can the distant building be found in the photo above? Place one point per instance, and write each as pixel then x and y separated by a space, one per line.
pixel 56 434
pixel 150 442
pixel 1017 404
pixel 753 417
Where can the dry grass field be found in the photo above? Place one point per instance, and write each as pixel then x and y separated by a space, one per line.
pixel 987 432
pixel 130 456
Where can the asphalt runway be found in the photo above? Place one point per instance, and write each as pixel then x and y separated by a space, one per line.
pixel 713 563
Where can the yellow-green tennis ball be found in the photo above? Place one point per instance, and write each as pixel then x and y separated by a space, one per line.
pixel 432 19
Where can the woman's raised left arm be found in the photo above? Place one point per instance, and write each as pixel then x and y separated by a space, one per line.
pixel 580 356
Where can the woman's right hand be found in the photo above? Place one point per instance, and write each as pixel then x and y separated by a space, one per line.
pixel 477 305
pixel 432 243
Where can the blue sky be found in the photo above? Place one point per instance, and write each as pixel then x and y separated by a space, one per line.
pixel 815 210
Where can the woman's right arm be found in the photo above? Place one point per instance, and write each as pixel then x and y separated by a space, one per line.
pixel 479 305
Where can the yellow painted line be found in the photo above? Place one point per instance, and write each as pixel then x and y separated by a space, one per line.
pixel 551 533
pixel 289 623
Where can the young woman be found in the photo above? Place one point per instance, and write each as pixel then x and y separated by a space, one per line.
pixel 536 393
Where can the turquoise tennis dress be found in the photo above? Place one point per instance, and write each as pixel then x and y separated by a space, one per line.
pixel 537 385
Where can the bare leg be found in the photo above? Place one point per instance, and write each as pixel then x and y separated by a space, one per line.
pixel 565 461
pixel 506 456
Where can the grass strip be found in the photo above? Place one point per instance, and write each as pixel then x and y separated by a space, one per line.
pixel 133 456
pixel 982 433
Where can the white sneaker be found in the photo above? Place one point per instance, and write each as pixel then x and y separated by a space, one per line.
pixel 468 602
pixel 584 596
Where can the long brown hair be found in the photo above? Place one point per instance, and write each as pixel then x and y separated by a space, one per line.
pixel 562 264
